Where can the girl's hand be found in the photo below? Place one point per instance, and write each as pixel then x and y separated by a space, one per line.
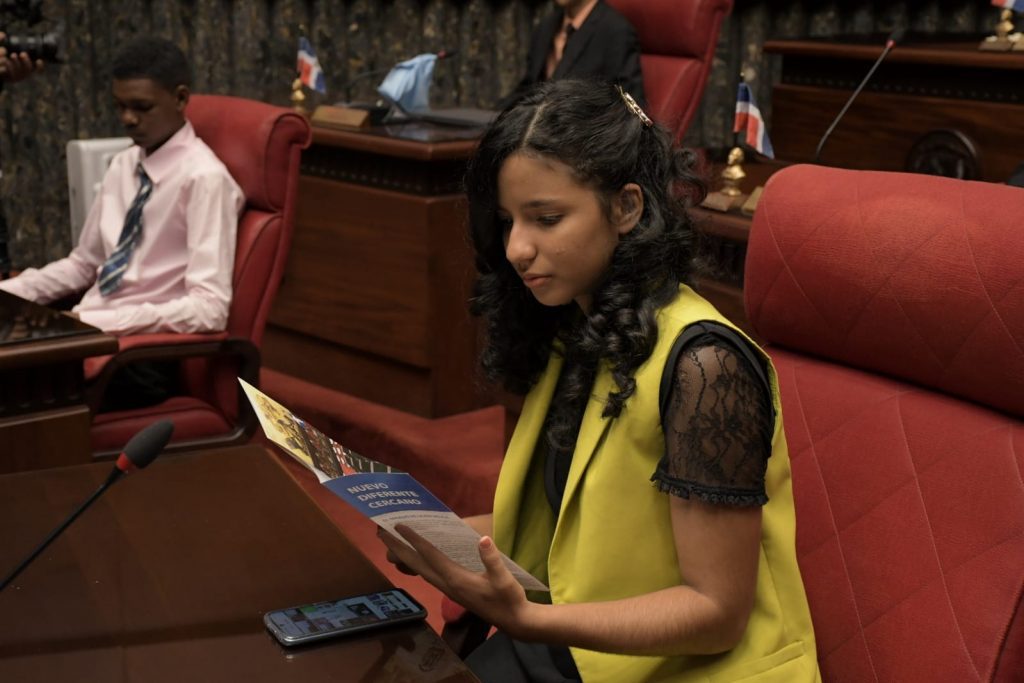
pixel 393 559
pixel 493 594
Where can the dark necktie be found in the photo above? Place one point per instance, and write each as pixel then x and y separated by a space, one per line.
pixel 115 265
pixel 558 49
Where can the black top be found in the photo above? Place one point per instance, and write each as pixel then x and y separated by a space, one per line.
pixel 718 427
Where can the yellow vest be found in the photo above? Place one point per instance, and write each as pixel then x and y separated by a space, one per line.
pixel 613 535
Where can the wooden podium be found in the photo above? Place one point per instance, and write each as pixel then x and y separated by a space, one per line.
pixel 939 108
pixel 375 294
pixel 44 419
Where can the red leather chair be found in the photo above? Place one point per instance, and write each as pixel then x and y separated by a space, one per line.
pixel 261 146
pixel 893 308
pixel 677 45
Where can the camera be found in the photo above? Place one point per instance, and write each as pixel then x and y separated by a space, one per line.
pixel 44 46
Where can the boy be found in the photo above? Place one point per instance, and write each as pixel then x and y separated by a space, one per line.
pixel 156 253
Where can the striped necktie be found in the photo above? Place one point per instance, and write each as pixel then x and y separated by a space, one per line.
pixel 115 265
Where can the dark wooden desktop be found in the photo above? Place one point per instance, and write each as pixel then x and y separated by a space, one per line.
pixel 44 421
pixel 167 577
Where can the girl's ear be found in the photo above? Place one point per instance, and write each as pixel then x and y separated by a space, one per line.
pixel 627 208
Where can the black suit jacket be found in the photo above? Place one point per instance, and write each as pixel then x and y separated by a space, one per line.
pixel 604 48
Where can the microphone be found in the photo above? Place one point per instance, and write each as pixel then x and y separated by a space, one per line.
pixel 362 76
pixel 894 37
pixel 141 450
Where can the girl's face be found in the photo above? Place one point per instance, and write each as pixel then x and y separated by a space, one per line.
pixel 557 234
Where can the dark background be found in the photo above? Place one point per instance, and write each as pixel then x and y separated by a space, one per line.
pixel 247 48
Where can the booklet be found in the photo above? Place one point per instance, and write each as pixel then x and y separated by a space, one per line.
pixel 382 493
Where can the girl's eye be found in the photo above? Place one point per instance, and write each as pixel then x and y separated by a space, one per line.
pixel 549 219
pixel 505 224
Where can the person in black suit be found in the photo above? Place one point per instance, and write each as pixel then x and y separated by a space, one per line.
pixel 583 39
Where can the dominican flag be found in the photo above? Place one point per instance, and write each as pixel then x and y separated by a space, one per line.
pixel 310 73
pixel 1015 5
pixel 748 119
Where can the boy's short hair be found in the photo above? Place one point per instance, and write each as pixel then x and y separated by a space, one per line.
pixel 157 59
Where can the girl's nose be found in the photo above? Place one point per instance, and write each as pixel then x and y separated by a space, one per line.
pixel 519 250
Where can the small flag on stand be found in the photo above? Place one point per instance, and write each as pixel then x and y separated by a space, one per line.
pixel 749 122
pixel 1015 5
pixel 310 73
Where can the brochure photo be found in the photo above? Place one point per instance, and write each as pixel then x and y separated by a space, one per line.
pixel 380 492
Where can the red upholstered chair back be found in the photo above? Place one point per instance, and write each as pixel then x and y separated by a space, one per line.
pixel 893 308
pixel 677 45
pixel 261 146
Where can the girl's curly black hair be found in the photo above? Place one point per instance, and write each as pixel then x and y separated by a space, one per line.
pixel 588 127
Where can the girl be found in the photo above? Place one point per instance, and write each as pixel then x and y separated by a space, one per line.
pixel 647 482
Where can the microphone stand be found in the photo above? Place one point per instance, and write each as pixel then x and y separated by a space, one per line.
pixel 894 37
pixel 140 450
pixel 114 476
pixel 347 86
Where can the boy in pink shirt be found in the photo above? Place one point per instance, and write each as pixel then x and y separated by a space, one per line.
pixel 157 250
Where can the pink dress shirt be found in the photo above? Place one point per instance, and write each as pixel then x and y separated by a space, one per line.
pixel 179 276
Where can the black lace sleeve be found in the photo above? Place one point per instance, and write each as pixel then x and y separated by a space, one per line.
pixel 718 427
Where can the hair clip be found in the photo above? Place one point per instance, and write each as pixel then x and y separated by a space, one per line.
pixel 634 107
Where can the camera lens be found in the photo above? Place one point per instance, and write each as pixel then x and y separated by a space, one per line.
pixel 42 46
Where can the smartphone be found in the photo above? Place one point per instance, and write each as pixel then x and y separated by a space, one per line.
pixel 308 623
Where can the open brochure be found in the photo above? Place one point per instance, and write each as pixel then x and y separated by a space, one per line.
pixel 380 492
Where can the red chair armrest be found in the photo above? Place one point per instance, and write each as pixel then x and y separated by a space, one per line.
pixel 100 370
pixel 160 343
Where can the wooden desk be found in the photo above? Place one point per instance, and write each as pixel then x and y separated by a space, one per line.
pixel 44 421
pixel 939 108
pixel 167 577
pixel 374 296
pixel 721 244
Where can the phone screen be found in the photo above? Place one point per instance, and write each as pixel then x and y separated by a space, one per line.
pixel 322 619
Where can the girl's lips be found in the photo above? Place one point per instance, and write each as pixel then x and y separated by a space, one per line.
pixel 535 280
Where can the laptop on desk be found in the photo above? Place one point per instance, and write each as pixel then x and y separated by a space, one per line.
pixel 459 116
pixel 470 117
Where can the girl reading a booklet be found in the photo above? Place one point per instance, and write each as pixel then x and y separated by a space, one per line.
pixel 648 482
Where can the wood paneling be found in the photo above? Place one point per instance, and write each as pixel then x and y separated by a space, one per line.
pixel 374 300
pixel 920 91
pixel 879 130
pixel 43 418
pixel 357 272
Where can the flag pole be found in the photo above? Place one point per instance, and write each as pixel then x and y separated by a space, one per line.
pixel 298 97
pixel 733 172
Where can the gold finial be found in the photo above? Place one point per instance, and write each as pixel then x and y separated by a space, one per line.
pixel 298 97
pixel 733 173
pixel 1005 37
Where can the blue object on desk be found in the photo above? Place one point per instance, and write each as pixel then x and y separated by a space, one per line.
pixel 408 84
